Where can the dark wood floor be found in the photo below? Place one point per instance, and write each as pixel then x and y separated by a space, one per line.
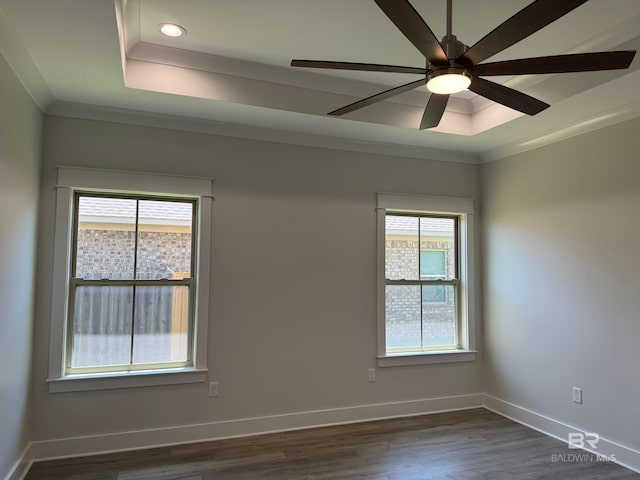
pixel 472 444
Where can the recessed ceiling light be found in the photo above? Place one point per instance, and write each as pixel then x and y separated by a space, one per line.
pixel 172 30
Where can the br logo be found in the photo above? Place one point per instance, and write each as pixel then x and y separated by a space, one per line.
pixel 581 440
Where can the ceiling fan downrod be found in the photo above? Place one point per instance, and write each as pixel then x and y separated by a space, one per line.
pixel 450 43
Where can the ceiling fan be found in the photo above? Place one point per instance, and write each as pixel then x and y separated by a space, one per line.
pixel 451 66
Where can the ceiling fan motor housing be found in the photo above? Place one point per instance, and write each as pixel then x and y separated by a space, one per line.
pixel 453 47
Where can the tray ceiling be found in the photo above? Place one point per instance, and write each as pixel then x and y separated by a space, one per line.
pixel 230 73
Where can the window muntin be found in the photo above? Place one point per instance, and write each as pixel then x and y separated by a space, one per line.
pixel 131 287
pixel 421 283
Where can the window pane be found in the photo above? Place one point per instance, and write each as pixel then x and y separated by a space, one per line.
pixel 403 317
pixel 161 324
pixel 105 238
pixel 433 263
pixel 401 248
pixel 164 239
pixel 438 315
pixel 434 293
pixel 101 326
pixel 437 247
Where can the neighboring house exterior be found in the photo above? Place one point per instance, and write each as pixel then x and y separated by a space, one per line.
pixel 107 235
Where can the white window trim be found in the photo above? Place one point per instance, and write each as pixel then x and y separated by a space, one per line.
pixel 112 181
pixel 464 207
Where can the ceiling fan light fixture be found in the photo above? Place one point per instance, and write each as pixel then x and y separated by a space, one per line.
pixel 446 81
pixel 172 30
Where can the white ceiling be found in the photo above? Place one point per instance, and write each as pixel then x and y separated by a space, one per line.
pixel 230 74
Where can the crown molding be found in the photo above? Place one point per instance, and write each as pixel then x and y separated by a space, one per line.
pixel 616 101
pixel 254 132
pixel 18 58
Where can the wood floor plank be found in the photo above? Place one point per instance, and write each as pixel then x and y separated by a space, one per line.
pixel 465 445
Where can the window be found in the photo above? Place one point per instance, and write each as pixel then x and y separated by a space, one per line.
pixel 425 297
pixel 421 289
pixel 131 283
pixel 129 265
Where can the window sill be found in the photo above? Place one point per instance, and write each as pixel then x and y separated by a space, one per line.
pixel 427 358
pixel 142 378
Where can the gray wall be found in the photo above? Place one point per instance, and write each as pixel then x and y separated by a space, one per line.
pixel 293 297
pixel 20 140
pixel 561 288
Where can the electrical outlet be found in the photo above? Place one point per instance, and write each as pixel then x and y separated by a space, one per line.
pixel 577 395
pixel 371 374
pixel 213 389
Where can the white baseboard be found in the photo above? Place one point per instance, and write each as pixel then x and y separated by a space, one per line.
pixel 625 456
pixel 139 439
pixel 22 465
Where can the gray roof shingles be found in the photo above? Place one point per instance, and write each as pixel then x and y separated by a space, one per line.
pixel 126 208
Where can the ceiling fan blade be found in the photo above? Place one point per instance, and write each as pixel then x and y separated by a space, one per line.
pixel 507 96
pixel 527 21
pixel 411 24
pixel 579 62
pixel 378 97
pixel 433 111
pixel 367 67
